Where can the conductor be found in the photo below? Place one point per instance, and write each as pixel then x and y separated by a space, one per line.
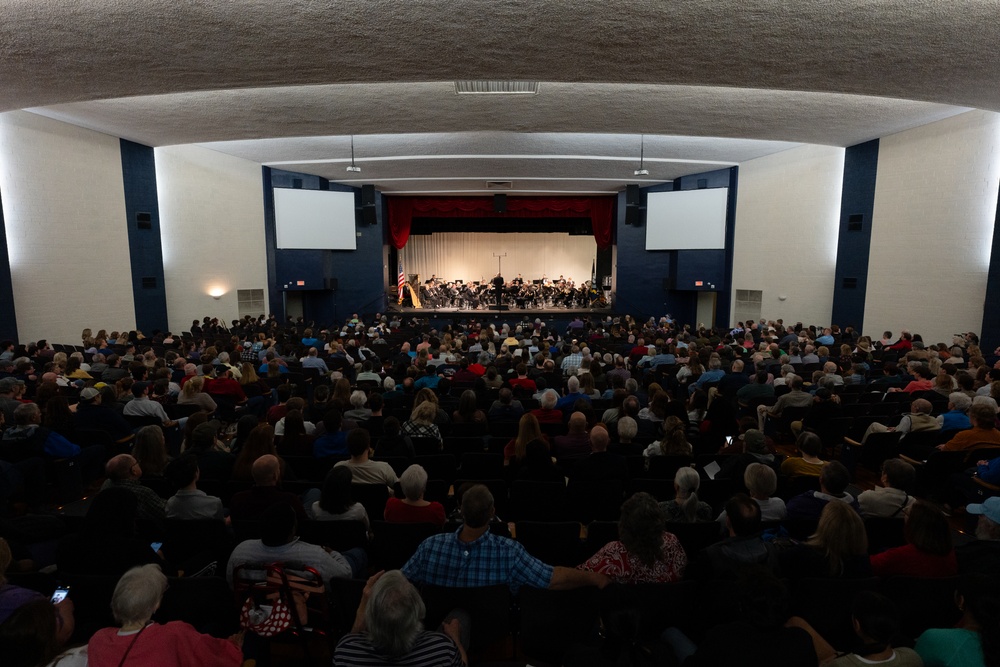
pixel 498 286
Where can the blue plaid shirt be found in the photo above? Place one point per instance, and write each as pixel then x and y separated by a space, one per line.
pixel 445 560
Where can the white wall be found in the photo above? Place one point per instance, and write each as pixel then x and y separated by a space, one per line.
pixel 212 222
pixel 64 212
pixel 932 229
pixel 787 213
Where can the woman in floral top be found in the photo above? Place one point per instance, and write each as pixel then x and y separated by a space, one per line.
pixel 645 553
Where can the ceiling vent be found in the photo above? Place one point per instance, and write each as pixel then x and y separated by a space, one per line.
pixel 499 185
pixel 496 87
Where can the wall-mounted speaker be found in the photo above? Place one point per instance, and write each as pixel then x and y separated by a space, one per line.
pixel 631 195
pixel 330 284
pixel 368 215
pixel 499 203
pixel 368 195
pixel 632 216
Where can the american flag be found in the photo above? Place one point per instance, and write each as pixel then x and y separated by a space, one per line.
pixel 400 280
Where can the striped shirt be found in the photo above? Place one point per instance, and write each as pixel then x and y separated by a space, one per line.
pixel 445 560
pixel 432 649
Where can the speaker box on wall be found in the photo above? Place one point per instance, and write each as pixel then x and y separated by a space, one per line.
pixel 632 216
pixel 368 195
pixel 499 203
pixel 330 284
pixel 632 195
pixel 368 215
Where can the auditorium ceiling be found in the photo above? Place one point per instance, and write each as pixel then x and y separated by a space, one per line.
pixel 708 84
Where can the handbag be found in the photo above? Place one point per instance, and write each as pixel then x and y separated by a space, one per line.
pixel 280 601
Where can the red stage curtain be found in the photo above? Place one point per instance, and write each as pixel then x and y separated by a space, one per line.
pixel 402 210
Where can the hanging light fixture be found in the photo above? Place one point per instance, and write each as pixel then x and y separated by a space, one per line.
pixel 641 171
pixel 354 169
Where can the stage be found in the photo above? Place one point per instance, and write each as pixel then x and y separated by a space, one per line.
pixel 509 314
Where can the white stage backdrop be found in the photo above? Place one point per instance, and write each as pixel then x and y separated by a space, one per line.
pixel 469 256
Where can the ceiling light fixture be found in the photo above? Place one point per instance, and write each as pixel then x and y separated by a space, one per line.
pixel 354 169
pixel 642 149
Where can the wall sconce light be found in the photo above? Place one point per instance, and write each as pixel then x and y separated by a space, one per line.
pixel 216 293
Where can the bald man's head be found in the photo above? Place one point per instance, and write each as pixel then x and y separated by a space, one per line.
pixel 266 470
pixel 122 467
pixel 599 438
pixel 577 422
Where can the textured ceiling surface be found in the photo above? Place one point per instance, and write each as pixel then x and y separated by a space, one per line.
pixel 709 83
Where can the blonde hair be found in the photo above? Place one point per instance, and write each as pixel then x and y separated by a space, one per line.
pixel 193 386
pixel 839 534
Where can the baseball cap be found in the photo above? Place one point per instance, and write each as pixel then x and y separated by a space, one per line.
pixel 89 394
pixel 754 441
pixel 990 508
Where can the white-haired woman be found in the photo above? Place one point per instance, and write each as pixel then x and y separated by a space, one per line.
pixel 358 411
pixel 685 507
pixel 389 629
pixel 412 508
pixel 141 642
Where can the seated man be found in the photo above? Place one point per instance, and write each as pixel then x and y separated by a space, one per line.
pixel 189 502
pixel 599 465
pixel 957 416
pixel 123 471
pixel 546 412
pixel 363 469
pixel 892 498
pixel 27 442
pixel 796 398
pixel 279 544
pixel 744 546
pixel 141 406
pixel 573 394
pixel 918 419
pixel 251 504
pixel 474 556
pixel 833 481
pixel 388 629
pixel 576 442
pixel 92 414
pixel 333 442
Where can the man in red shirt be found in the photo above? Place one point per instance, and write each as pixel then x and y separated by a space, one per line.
pixel 547 413
pixel 522 381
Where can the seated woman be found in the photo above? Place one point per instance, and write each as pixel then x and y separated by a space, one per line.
pixel 467 412
pixel 412 508
pixel 928 550
pixel 36 631
pixel 537 465
pixel 761 481
pixel 142 642
pixel 838 549
pixel 674 441
pixel 336 503
pixel 685 507
pixel 645 553
pixel 976 638
pixel 421 423
pixel 192 394
pixel 150 451
pixel 528 429
pixel 810 447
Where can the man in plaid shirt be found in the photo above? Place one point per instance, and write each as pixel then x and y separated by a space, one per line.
pixel 474 556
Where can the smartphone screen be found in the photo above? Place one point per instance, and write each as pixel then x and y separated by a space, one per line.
pixel 729 440
pixel 155 546
pixel 60 595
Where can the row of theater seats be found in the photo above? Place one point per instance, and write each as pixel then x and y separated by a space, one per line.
pixel 540 625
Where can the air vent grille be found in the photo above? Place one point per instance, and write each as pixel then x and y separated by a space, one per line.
pixel 496 87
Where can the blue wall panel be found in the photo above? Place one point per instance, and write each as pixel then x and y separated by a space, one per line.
pixel 8 318
pixel 145 248
pixel 855 236
pixel 359 273
pixel 641 273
